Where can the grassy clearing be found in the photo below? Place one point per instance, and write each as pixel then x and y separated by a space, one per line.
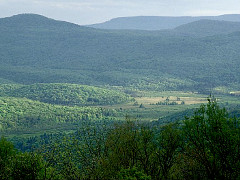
pixel 151 112
pixel 170 93
pixel 187 100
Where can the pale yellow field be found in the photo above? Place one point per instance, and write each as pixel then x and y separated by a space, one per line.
pixel 194 100
pixel 187 100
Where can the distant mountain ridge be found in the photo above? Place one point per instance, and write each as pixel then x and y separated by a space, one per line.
pixel 35 20
pixel 158 22
pixel 206 27
pixel 35 49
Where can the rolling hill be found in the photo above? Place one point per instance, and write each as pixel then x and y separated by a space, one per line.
pixel 27 116
pixel 158 22
pixel 65 94
pixel 35 49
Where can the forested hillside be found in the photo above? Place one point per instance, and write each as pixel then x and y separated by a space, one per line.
pixel 65 94
pixel 20 115
pixel 31 108
pixel 204 28
pixel 35 49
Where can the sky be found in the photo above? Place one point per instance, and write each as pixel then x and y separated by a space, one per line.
pixel 95 11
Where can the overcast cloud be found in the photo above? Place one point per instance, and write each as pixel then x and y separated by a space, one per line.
pixel 95 11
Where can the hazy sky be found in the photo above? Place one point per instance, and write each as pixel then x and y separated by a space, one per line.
pixel 94 11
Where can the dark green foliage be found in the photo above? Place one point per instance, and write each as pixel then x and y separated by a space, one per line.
pixel 18 165
pixel 132 174
pixel 166 154
pixel 28 166
pixel 78 155
pixel 212 141
pixel 133 150
pixel 122 148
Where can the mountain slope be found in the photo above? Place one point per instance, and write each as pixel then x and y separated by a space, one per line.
pixel 47 53
pixel 35 20
pixel 158 22
pixel 204 28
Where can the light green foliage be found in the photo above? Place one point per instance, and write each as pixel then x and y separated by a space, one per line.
pixel 65 94
pixel 17 114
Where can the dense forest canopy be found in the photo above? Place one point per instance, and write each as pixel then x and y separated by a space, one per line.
pixel 23 115
pixel 65 94
pixel 36 49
